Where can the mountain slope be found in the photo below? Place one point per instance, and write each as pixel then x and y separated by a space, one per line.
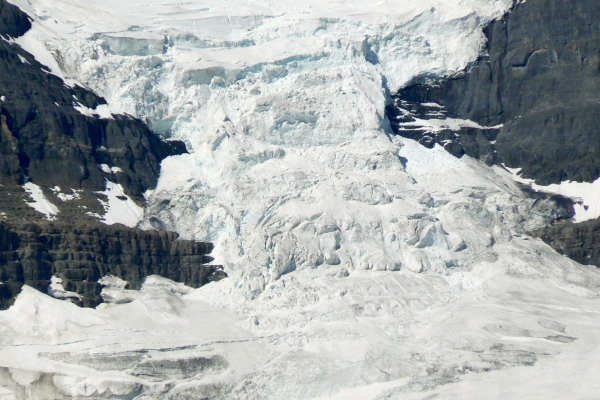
pixel 60 162
pixel 539 80
pixel 361 264
pixel 531 103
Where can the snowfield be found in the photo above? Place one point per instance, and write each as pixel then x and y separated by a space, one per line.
pixel 361 265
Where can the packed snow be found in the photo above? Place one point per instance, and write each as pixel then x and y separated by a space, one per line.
pixel 119 208
pixel 40 203
pixel 360 264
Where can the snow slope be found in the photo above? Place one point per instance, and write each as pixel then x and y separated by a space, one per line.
pixel 356 259
pixel 40 202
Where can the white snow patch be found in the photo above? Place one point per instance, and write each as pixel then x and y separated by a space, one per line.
pixel 2 98
pixel 57 290
pixel 438 124
pixel 102 111
pixel 436 105
pixel 109 170
pixel 23 60
pixel 76 194
pixel 585 194
pixel 120 208
pixel 40 202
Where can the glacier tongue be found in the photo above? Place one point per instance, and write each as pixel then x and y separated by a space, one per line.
pixel 367 258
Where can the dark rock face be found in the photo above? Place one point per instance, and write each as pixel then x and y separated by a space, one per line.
pixel 46 139
pixel 541 80
pixel 580 242
pixel 43 138
pixel 13 22
pixel 20 265
pixel 32 253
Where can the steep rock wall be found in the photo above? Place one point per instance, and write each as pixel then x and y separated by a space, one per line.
pixel 80 255
pixel 539 87
pixel 540 80
pixel 45 138
pixel 55 136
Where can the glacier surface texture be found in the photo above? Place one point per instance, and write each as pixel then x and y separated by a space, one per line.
pixel 361 265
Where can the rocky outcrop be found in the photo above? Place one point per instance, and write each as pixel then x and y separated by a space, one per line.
pixel 49 135
pixel 536 96
pixel 80 255
pixel 580 242
pixel 45 138
pixel 540 80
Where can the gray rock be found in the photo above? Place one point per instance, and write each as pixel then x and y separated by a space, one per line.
pixel 540 79
pixel 43 138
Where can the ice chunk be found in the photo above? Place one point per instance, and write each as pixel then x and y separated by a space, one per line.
pixel 57 290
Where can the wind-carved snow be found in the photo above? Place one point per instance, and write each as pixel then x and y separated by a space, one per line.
pixel 585 194
pixel 355 258
pixel 40 202
pixel 119 208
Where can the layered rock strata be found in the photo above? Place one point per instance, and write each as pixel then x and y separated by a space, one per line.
pixel 532 102
pixel 580 242
pixel 80 255
pixel 65 141
pixel 538 84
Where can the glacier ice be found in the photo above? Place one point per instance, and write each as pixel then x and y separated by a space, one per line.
pixel 356 258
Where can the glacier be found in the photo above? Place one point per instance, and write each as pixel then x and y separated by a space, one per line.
pixel 361 264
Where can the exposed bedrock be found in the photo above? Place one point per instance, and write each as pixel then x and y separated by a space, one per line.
pixel 541 82
pixel 540 79
pixel 80 255
pixel 45 138
pixel 580 242
pixel 56 135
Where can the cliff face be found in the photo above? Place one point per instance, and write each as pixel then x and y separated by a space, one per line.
pixel 538 89
pixel 540 81
pixel 580 242
pixel 81 255
pixel 45 138
pixel 50 136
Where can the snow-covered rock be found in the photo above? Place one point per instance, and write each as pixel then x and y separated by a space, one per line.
pixel 356 258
